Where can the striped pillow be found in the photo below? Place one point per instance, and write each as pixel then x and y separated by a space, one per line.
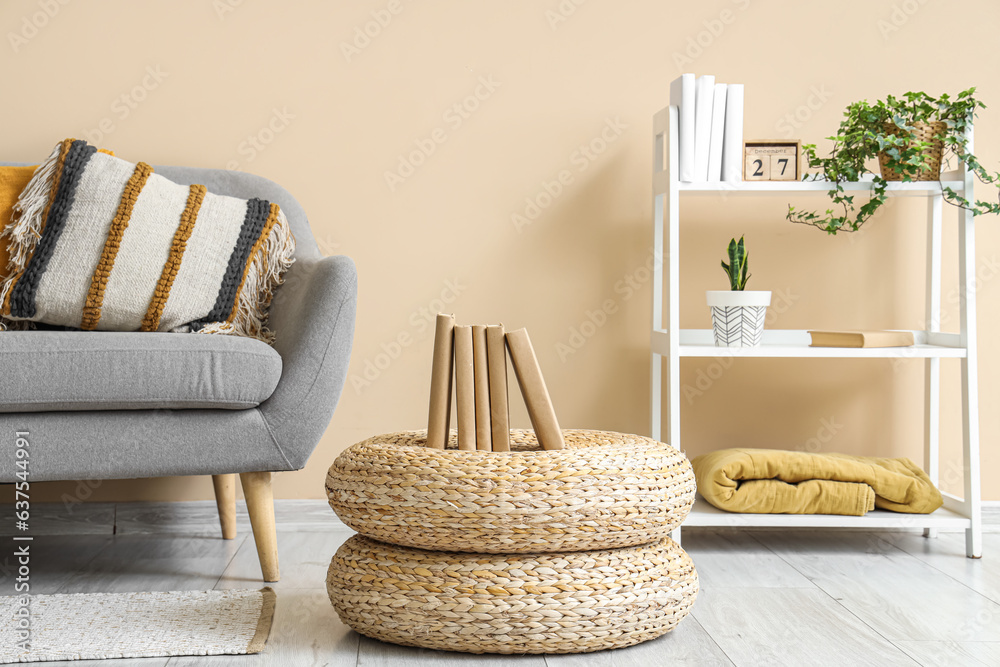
pixel 98 243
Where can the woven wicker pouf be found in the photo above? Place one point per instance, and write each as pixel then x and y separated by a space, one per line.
pixel 532 603
pixel 604 490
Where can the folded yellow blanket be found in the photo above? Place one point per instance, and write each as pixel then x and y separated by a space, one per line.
pixel 768 481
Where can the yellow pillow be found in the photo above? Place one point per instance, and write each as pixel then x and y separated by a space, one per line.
pixel 12 181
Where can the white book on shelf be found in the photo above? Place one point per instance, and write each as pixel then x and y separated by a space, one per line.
pixel 718 130
pixel 682 96
pixel 704 91
pixel 732 142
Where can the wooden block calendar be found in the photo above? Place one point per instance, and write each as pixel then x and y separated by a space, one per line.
pixel 771 160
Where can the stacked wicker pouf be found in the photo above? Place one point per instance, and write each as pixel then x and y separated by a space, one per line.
pixel 526 551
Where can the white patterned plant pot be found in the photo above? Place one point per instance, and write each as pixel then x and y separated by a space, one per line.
pixel 738 317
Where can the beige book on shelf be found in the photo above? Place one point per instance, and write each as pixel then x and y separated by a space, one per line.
pixel 496 354
pixel 439 413
pixel 861 338
pixel 536 395
pixel 465 387
pixel 482 381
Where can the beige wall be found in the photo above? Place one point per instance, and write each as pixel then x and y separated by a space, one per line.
pixel 343 121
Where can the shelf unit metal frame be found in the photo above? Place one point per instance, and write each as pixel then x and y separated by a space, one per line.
pixel 670 342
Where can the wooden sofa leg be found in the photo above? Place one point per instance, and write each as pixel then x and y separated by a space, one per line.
pixel 225 499
pixel 260 506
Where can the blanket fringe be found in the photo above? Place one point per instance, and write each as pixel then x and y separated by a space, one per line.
pixel 16 325
pixel 5 287
pixel 264 275
pixel 26 229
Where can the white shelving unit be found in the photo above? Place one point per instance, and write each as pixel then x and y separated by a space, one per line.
pixel 670 342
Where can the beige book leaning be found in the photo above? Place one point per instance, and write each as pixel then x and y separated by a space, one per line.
pixel 482 382
pixel 439 413
pixel 465 387
pixel 536 395
pixel 496 354
pixel 861 338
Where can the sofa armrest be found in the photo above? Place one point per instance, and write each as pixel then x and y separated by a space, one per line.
pixel 312 316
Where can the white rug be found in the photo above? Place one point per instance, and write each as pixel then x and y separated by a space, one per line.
pixel 134 625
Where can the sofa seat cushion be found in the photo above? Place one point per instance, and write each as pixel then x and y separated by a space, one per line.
pixel 80 370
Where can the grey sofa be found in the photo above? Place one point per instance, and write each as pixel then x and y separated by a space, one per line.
pixel 134 405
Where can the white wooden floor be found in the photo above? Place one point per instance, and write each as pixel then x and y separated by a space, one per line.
pixel 767 598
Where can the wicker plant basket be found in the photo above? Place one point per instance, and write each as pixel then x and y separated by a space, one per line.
pixel 604 490
pixel 539 603
pixel 923 132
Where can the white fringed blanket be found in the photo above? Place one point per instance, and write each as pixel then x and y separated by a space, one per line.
pixel 98 243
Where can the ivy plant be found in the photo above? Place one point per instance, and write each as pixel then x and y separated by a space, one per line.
pixel 887 126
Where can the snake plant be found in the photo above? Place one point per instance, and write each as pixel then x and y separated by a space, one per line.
pixel 736 270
